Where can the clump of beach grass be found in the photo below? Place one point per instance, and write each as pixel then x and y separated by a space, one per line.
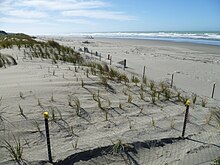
pixel 118 147
pixel 204 102
pixel 15 149
pixel 153 122
pixel 152 85
pixel 194 97
pixel 153 96
pixel 77 103
pixel 69 99
pixel 130 98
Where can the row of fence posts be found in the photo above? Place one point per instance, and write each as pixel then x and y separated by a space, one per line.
pixel 187 104
pixel 125 66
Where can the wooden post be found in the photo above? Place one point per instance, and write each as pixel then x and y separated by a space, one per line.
pixel 213 90
pixel 124 64
pixel 110 60
pixel 171 85
pixel 100 57
pixel 144 72
pixel 46 116
pixel 91 52
pixel 186 116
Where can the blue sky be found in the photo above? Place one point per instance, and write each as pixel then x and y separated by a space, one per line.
pixel 69 16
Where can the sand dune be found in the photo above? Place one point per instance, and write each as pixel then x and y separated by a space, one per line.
pixel 38 85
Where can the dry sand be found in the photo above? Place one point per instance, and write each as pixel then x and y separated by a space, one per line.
pixel 196 66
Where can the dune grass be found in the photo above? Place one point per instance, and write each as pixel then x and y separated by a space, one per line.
pixel 6 60
pixel 14 149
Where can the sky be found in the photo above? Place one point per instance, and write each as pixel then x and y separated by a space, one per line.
pixel 71 16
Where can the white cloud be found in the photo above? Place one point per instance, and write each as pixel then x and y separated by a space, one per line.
pixel 50 11
pixel 26 14
pixel 62 5
pixel 75 21
pixel 98 14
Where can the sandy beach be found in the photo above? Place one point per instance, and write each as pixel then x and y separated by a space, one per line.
pixel 148 132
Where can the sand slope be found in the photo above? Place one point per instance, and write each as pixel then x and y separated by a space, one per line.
pixel 32 84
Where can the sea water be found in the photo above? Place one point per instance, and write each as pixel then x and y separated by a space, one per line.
pixel 211 38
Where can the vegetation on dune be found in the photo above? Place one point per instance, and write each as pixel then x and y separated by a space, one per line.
pixel 15 149
pixel 216 161
pixel 7 60
pixel 49 50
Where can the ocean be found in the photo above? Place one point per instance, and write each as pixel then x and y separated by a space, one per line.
pixel 210 38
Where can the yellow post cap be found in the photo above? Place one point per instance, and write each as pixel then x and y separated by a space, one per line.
pixel 46 115
pixel 188 103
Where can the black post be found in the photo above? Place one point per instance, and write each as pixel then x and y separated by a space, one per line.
pixel 110 60
pixel 172 81
pixel 186 116
pixel 124 64
pixel 213 90
pixel 144 72
pixel 46 116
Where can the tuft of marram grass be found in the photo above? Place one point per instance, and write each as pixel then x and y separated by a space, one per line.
pixel 153 96
pixel 15 149
pixel 152 85
pixel 77 103
pixel 194 97
pixel 69 99
pixel 153 122
pixel 204 102
pixel 130 98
